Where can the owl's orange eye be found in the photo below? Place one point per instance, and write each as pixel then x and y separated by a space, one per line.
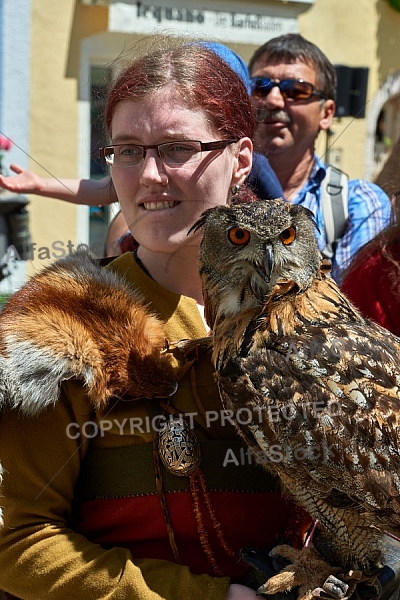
pixel 288 235
pixel 238 236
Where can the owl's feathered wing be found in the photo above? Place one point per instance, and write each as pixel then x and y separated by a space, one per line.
pixel 324 399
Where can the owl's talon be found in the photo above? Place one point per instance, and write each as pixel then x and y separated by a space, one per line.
pixel 332 588
pixel 282 582
pixel 335 587
pixel 320 593
pixel 306 572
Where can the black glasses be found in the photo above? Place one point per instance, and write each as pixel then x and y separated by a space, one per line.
pixel 179 152
pixel 291 89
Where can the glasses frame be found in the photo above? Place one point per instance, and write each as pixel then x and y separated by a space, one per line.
pixel 267 84
pixel 204 146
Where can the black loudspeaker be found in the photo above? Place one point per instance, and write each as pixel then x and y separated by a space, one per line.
pixel 351 93
pixel 359 92
pixel 343 79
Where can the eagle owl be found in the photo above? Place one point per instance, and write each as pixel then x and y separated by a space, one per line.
pixel 313 386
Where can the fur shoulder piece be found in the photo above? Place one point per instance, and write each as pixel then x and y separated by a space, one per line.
pixel 77 319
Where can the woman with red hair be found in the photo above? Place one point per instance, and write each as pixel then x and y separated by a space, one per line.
pixel 94 499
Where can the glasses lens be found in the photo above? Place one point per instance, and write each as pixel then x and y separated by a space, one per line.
pixel 180 153
pixel 260 86
pixel 127 155
pixel 296 90
pixel 291 89
pixel 108 155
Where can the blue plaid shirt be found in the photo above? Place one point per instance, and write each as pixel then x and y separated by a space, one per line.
pixel 369 213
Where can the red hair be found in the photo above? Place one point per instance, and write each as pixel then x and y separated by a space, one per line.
pixel 202 79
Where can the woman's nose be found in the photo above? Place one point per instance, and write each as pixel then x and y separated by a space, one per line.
pixel 153 169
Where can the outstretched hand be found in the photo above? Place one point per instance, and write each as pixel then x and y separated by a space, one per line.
pixel 25 182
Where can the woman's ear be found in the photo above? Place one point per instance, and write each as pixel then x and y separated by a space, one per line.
pixel 243 162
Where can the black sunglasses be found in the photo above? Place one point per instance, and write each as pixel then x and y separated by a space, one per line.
pixel 291 89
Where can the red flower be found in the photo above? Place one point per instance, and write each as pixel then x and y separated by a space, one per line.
pixel 5 143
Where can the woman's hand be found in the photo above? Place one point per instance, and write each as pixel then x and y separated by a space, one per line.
pixel 241 592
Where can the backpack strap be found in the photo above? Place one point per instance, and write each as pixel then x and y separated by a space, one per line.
pixel 334 205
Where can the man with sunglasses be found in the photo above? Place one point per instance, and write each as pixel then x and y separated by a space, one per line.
pixel 293 91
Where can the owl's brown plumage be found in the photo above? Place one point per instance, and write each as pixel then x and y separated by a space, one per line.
pixel 314 385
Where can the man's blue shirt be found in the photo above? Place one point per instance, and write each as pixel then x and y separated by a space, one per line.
pixel 369 213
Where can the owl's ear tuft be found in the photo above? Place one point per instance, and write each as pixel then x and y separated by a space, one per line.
pixel 297 209
pixel 199 224
pixel 203 219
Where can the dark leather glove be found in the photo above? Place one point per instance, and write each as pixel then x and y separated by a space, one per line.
pixel 389 578
pixel 386 585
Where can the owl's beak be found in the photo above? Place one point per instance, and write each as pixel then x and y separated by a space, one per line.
pixel 268 260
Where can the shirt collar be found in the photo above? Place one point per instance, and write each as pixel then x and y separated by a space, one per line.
pixel 318 173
